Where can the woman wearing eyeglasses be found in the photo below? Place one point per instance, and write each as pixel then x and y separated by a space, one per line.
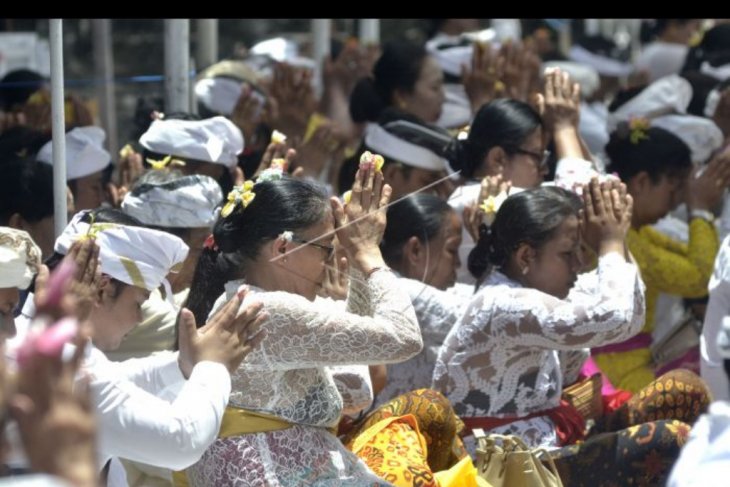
pixel 508 138
pixel 276 236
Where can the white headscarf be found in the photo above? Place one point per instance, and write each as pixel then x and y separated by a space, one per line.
pixel 702 135
pixel 85 152
pixel 670 94
pixel 20 258
pixel 215 140
pixel 185 202
pixel 134 255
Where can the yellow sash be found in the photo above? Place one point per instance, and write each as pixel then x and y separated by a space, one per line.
pixel 236 422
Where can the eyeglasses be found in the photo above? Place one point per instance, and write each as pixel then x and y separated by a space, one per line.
pixel 328 248
pixel 542 159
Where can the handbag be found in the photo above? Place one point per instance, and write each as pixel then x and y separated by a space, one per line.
pixel 505 461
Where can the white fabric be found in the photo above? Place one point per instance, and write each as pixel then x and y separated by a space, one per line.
pixel 586 76
pixel 437 311
pixel 604 65
pixel 515 348
pixel 289 375
pixel 573 172
pixel 662 59
pixel 20 258
pixel 669 94
pixel 85 154
pixel 33 480
pixel 215 140
pixel 456 110
pixel 702 135
pixel 186 202
pixel 713 99
pixel 383 142
pixel 593 127
pixel 720 72
pixel 704 460
pixel 718 307
pixel 219 94
pixel 136 424
pixel 128 253
pixel 451 52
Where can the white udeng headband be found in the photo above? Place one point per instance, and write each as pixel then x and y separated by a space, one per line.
pixel 383 142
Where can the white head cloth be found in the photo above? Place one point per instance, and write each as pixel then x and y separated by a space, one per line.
pixel 670 94
pixel 219 94
pixel 414 145
pixel 215 140
pixel 137 256
pixel 185 202
pixel 702 135
pixel 85 152
pixel 20 258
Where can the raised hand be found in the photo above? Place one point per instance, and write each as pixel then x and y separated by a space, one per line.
pixel 706 186
pixel 482 82
pixel 226 338
pixel 361 223
pixel 606 216
pixel 56 422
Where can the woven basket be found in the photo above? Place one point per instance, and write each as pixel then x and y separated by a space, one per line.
pixel 585 396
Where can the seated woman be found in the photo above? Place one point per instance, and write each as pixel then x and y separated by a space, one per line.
pixel 420 243
pixel 524 333
pixel 655 165
pixel 277 236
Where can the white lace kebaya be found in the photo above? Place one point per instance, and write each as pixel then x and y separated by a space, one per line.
pixel 437 311
pixel 514 347
pixel 288 375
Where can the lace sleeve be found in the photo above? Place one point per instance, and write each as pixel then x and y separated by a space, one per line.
pixel 436 310
pixel 673 267
pixel 353 384
pixel 381 328
pixel 613 312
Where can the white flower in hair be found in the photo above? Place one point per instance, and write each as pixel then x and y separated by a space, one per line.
pixel 288 236
pixel 270 174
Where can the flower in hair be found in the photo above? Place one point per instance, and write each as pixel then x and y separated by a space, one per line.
pixel 240 195
pixel 638 127
pixel 270 174
pixel 491 205
pixel 369 160
pixel 164 163
pixel 287 236
pixel 210 243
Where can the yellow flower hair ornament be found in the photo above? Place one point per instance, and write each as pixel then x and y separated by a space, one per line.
pixel 240 195
pixel 491 205
pixel 638 128
pixel 164 163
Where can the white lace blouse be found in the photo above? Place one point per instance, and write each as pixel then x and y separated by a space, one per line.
pixel 437 311
pixel 288 375
pixel 513 349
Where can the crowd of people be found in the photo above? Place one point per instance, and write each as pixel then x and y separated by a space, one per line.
pixel 286 289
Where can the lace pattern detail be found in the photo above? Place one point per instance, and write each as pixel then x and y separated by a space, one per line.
pixel 503 357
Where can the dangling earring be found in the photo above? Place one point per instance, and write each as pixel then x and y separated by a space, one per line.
pixel 525 270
